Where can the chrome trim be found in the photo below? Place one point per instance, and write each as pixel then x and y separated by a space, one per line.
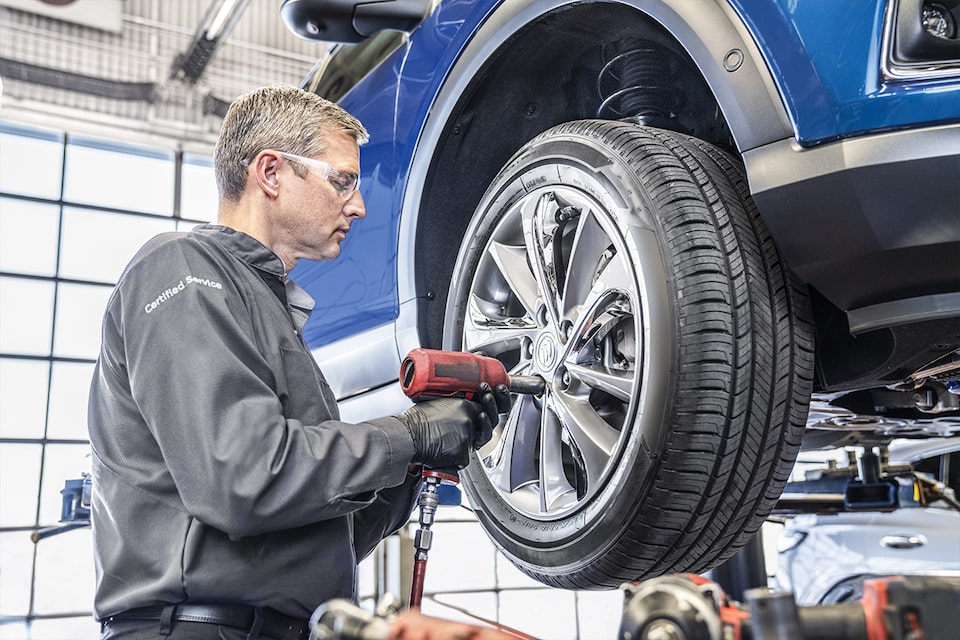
pixel 896 312
pixel 893 71
pixel 905 541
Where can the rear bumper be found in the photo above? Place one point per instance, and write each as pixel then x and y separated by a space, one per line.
pixel 872 223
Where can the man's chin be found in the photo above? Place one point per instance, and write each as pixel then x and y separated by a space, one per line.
pixel 331 253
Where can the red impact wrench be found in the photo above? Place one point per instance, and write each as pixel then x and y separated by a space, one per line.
pixel 429 373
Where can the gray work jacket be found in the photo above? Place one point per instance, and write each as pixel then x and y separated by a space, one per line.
pixel 221 471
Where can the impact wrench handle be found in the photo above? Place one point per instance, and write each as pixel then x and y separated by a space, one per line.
pixel 442 374
pixel 423 539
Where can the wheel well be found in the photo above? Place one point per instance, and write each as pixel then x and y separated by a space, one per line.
pixel 595 60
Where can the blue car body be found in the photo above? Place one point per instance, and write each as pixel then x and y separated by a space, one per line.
pixel 819 143
pixel 360 291
pixel 821 62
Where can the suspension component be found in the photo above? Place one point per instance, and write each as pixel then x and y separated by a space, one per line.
pixel 636 83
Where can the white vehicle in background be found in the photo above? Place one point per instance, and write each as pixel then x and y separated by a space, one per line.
pixel 824 557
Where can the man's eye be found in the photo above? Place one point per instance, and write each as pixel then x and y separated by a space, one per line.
pixel 344 182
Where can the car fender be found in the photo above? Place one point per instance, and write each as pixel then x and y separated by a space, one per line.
pixel 711 32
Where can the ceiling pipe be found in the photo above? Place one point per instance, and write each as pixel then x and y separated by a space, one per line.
pixel 213 30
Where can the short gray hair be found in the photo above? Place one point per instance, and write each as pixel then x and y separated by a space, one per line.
pixel 282 118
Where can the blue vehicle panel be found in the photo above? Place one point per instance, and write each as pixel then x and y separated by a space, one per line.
pixel 826 57
pixel 823 64
pixel 671 211
pixel 358 291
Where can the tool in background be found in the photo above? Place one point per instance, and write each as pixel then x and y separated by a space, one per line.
pixel 343 620
pixel 427 373
pixel 340 619
pixel 690 607
pixel 74 511
pixel 423 539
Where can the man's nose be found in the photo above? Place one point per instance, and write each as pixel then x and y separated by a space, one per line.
pixel 354 206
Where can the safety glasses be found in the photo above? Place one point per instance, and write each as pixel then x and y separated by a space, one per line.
pixel 344 183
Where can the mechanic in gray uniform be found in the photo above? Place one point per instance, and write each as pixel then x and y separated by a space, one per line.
pixel 229 500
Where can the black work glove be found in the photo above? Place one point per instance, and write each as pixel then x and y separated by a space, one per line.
pixel 494 402
pixel 443 431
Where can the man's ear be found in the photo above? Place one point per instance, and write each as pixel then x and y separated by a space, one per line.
pixel 265 172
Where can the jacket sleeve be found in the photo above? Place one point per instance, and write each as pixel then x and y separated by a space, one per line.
pixel 386 514
pixel 210 399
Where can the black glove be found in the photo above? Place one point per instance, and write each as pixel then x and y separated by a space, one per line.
pixel 443 431
pixel 494 402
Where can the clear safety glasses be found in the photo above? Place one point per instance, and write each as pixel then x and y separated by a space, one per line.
pixel 344 183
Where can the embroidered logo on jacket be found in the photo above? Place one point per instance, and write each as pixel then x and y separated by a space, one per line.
pixel 177 288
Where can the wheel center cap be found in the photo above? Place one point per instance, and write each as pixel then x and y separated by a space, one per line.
pixel 546 352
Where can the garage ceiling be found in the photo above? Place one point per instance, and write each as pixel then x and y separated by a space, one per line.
pixel 142 66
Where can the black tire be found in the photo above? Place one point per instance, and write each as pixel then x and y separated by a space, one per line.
pixel 628 266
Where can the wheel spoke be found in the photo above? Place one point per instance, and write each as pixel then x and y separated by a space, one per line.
pixel 614 275
pixel 538 238
pixel 619 383
pixel 602 309
pixel 594 439
pixel 512 262
pixel 588 249
pixel 553 483
pixel 511 463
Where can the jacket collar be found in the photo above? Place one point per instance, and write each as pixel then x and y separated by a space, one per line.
pixel 244 247
pixel 250 250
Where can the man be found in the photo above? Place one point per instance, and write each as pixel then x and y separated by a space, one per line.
pixel 229 500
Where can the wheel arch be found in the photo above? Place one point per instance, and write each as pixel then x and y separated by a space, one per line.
pixel 532 65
